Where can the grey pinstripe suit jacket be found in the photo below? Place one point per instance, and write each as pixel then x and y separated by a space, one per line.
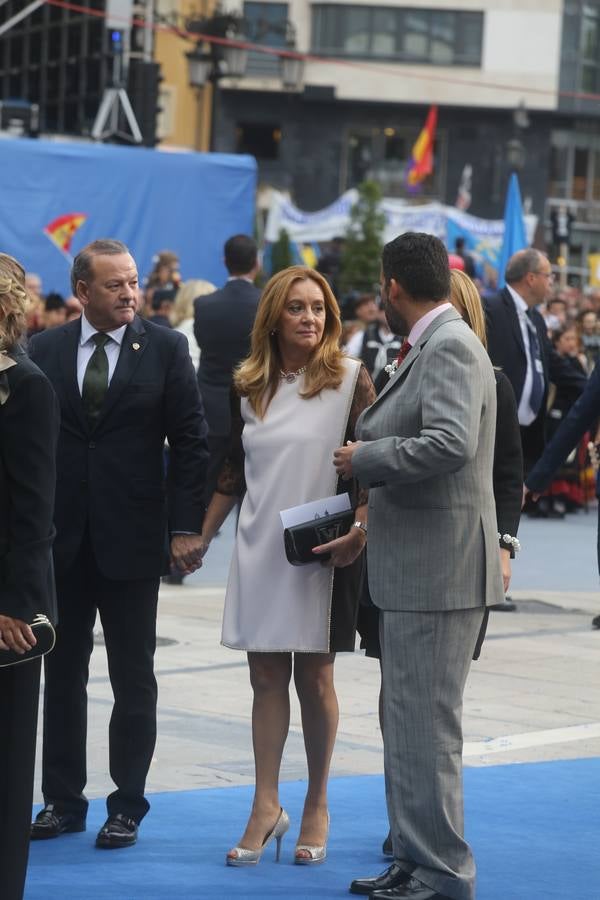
pixel 427 461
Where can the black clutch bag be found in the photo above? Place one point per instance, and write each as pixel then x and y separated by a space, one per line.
pixel 45 636
pixel 300 539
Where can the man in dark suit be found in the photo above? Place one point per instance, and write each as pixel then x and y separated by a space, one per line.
pixel 580 418
pixel 222 326
pixel 29 420
pixel 124 385
pixel 518 344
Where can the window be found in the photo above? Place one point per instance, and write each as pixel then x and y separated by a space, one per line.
pixel 401 34
pixel 559 162
pixel 580 58
pixel 574 166
pixel 580 173
pixel 382 154
pixel 265 23
pixel 596 176
pixel 258 139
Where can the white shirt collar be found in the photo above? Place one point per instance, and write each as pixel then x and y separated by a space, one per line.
pixel 425 321
pixel 518 300
pixel 88 331
pixel 240 278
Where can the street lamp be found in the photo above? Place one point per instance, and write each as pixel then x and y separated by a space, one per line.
pixel 210 61
pixel 515 154
pixel 291 65
pixel 515 149
pixel 218 62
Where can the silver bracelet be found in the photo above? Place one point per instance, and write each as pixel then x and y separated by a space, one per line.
pixel 512 541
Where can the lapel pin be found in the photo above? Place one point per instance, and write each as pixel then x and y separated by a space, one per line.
pixel 136 346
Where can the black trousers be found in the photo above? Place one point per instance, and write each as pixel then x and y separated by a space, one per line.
pixel 128 614
pixel 19 693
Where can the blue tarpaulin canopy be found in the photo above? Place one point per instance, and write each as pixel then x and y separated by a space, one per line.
pixel 55 197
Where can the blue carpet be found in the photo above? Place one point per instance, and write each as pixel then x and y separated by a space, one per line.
pixel 534 828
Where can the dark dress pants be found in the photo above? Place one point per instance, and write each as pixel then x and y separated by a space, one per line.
pixel 128 614
pixel 19 693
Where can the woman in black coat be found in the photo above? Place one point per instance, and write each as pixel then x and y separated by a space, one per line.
pixel 28 434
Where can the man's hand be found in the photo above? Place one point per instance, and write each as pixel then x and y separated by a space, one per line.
pixel 342 459
pixel 527 493
pixel 187 551
pixel 15 635
pixel 344 550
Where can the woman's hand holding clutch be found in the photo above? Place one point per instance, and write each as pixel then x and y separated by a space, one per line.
pixel 344 550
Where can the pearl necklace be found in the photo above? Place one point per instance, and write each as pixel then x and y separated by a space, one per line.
pixel 290 377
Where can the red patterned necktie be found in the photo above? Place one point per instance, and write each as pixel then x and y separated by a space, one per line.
pixel 404 348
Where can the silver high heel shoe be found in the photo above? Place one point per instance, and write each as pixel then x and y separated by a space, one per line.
pixel 316 854
pixel 251 857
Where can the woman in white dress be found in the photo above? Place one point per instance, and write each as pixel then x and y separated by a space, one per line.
pixel 300 398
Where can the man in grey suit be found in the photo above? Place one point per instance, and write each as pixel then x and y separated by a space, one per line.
pixel 425 453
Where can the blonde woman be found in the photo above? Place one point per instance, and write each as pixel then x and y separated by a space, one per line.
pixel 300 396
pixel 508 455
pixel 182 314
pixel 28 434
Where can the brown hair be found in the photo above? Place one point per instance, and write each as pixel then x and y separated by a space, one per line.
pixel 14 300
pixel 465 298
pixel 258 376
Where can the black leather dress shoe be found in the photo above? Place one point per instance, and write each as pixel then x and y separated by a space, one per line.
pixel 412 889
pixel 117 831
pixel 49 823
pixel 391 878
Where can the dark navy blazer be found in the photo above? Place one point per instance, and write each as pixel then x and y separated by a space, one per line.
pixel 570 431
pixel 111 477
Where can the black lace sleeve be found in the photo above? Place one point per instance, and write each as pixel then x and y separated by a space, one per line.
pixel 231 480
pixel 364 395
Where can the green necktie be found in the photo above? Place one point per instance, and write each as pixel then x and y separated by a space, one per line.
pixel 95 380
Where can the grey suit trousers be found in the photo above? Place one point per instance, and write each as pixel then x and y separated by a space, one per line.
pixel 425 660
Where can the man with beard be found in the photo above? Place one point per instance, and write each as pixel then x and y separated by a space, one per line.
pixel 124 385
pixel 425 452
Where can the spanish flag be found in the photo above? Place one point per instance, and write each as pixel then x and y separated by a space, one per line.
pixel 421 159
pixel 62 230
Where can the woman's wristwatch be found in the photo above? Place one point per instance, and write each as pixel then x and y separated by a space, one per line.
pixel 361 525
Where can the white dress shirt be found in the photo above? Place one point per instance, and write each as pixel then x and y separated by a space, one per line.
pixel 525 412
pixel 87 347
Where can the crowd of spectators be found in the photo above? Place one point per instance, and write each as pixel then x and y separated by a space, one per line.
pixel 571 315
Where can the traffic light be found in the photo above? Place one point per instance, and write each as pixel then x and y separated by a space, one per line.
pixel 143 89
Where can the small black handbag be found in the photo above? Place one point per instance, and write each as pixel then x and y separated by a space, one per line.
pixel 300 539
pixel 45 636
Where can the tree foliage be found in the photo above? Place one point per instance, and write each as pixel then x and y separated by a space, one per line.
pixel 281 254
pixel 361 256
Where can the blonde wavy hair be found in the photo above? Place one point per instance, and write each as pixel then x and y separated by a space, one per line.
pixel 183 307
pixel 465 298
pixel 14 301
pixel 257 377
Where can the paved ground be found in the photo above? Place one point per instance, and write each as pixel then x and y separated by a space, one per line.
pixel 533 695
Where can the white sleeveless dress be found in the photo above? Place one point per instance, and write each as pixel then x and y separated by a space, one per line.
pixel 270 605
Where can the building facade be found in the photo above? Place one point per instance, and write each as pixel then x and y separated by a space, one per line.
pixel 516 82
pixel 517 85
